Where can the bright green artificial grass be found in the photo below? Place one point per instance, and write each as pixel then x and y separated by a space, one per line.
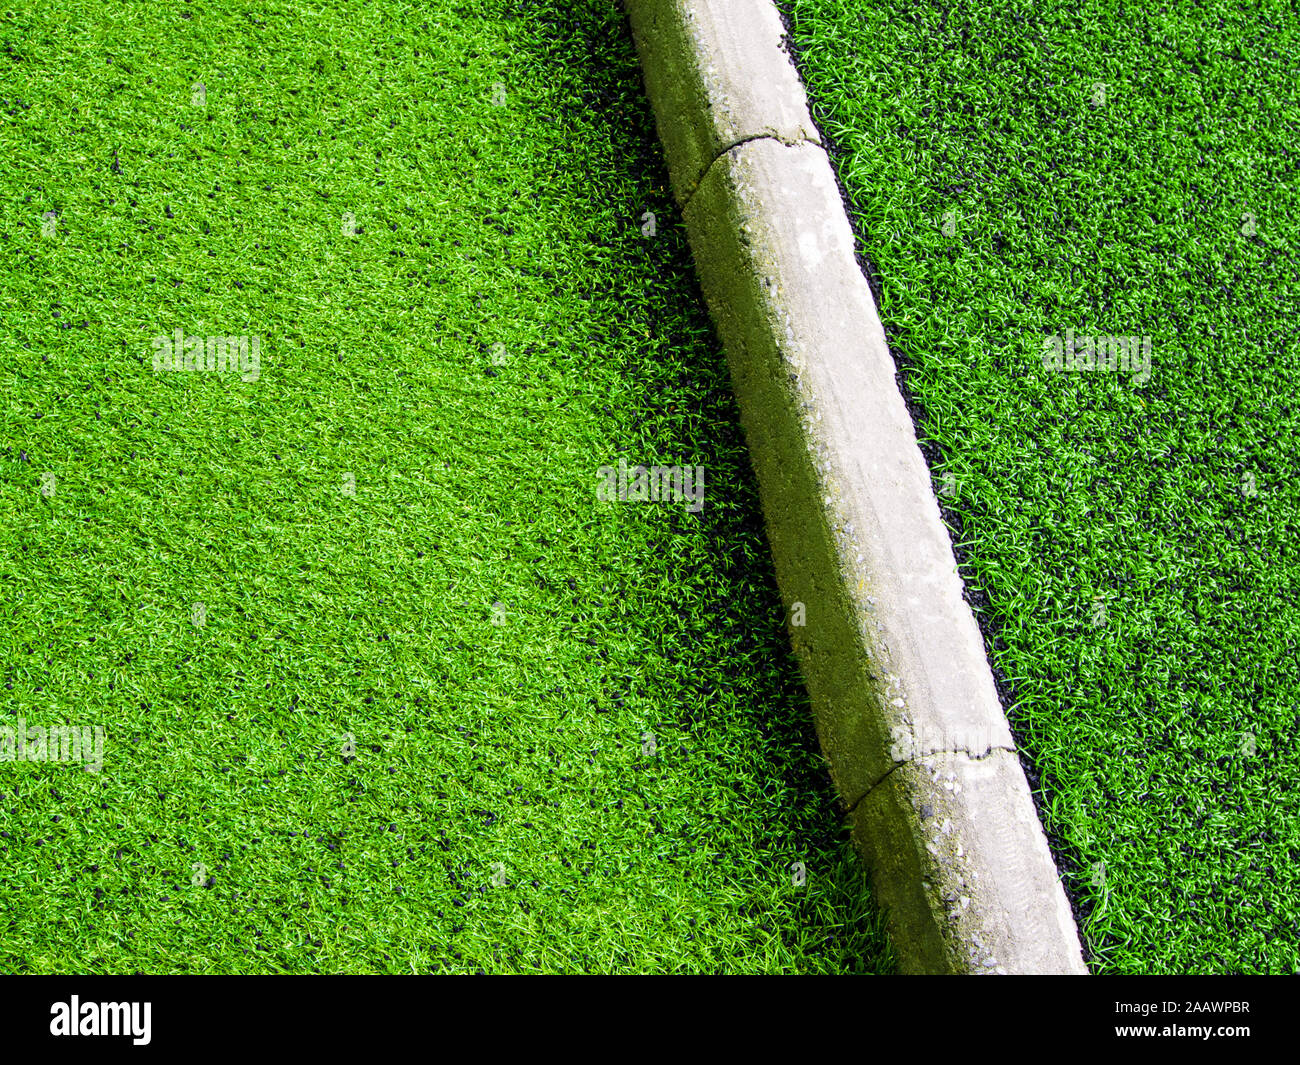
pixel 436 393
pixel 1132 548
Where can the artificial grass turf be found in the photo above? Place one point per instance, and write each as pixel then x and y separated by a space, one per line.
pixel 1131 547
pixel 410 729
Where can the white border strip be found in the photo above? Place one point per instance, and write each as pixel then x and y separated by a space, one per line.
pixel 906 708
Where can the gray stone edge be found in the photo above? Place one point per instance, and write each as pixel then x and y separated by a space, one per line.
pixel 905 706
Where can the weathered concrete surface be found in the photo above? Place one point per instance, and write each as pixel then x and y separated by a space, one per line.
pixel 959 861
pixel 891 655
pixel 893 658
pixel 717 77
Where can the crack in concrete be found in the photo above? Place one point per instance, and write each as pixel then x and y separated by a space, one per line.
pixel 732 147
pixel 988 752
pixel 853 806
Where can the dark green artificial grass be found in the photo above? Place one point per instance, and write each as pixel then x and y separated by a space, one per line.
pixel 351 758
pixel 1132 548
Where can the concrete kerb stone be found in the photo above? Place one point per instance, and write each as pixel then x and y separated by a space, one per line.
pixel 959 861
pixel 906 709
pixel 717 77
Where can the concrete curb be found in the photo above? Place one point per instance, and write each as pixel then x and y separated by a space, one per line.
pixel 906 708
